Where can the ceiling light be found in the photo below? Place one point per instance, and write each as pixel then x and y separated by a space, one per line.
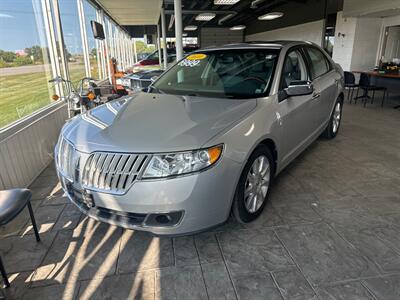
pixel 205 17
pixel 238 27
pixel 190 28
pixel 184 34
pixel 271 16
pixel 225 2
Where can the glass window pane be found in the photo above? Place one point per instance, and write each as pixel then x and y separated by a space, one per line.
pixel 24 60
pixel 319 63
pixel 293 69
pixel 72 39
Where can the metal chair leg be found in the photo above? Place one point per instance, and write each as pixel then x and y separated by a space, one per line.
pixel 365 98
pixel 355 99
pixel 33 222
pixel 3 273
pixel 373 97
pixel 352 93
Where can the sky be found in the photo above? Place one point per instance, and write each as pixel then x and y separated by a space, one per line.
pixel 19 27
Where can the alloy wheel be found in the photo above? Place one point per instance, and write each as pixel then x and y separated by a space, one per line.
pixel 257 184
pixel 336 117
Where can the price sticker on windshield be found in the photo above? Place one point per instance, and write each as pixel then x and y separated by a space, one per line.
pixel 192 60
pixel 197 56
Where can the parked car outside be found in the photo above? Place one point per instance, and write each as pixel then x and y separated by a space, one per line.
pixel 206 141
pixel 153 58
pixel 140 80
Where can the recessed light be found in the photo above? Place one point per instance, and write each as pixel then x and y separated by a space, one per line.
pixel 238 27
pixel 205 17
pixel 184 34
pixel 225 2
pixel 271 16
pixel 190 28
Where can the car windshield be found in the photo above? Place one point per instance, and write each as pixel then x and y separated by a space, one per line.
pixel 239 73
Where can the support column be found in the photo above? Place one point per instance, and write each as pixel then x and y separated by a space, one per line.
pixel 178 29
pixel 85 47
pixel 50 41
pixel 134 50
pixel 60 37
pixel 164 37
pixel 159 45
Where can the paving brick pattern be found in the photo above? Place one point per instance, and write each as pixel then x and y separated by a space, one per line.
pixel 331 230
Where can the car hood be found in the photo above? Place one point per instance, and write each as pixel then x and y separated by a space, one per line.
pixel 154 123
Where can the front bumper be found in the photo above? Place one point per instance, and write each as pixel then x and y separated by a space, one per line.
pixel 174 206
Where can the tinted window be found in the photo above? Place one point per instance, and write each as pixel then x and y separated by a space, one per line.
pixel 319 63
pixel 293 69
pixel 223 73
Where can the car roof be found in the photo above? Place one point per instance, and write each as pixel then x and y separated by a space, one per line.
pixel 259 44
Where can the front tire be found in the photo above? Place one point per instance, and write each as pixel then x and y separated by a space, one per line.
pixel 334 122
pixel 254 185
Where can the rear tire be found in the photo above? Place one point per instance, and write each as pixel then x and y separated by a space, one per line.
pixel 334 122
pixel 254 185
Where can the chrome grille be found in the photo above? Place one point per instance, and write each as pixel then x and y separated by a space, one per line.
pixel 112 172
pixel 66 159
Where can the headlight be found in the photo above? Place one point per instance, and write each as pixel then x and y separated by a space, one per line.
pixel 181 163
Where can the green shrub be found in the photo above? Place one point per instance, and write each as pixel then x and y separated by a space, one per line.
pixel 22 61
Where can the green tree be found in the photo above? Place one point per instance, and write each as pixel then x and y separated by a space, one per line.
pixel 36 52
pixel 7 56
pixel 22 60
pixel 141 47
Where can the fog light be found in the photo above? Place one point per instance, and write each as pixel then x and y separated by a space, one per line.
pixel 163 219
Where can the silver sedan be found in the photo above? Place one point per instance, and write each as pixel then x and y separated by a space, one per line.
pixel 205 141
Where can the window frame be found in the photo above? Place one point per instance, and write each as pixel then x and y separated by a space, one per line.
pixel 310 64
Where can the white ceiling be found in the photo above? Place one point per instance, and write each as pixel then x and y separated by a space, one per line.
pixel 133 12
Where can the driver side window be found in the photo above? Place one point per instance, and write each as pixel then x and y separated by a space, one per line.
pixel 294 69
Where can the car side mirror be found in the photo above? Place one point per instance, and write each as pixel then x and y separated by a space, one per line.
pixel 299 88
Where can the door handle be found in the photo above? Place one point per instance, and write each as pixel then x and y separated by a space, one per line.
pixel 316 96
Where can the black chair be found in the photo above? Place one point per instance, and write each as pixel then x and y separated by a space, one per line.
pixel 366 86
pixel 12 202
pixel 350 84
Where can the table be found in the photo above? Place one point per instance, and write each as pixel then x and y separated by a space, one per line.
pixel 377 74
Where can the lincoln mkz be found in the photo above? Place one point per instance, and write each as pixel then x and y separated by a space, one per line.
pixel 204 141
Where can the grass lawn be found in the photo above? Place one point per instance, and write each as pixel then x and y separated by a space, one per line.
pixel 23 94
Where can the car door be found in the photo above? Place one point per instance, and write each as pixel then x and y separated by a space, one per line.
pixel 324 80
pixel 297 113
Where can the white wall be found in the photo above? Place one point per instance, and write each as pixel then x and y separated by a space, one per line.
pixel 344 41
pixel 355 8
pixel 311 31
pixel 357 41
pixel 219 36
